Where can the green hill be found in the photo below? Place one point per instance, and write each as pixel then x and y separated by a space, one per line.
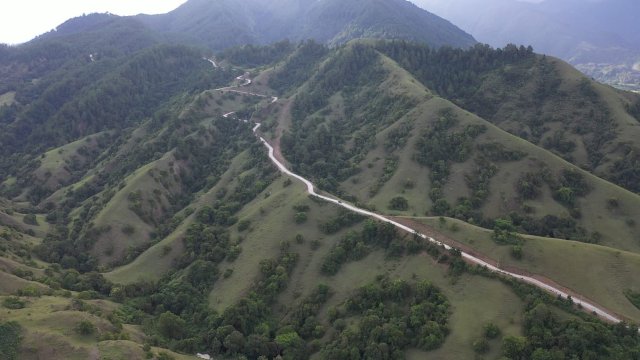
pixel 136 219
pixel 331 22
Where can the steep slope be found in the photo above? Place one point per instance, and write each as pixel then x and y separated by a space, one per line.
pixel 362 127
pixel 331 22
pixel 540 99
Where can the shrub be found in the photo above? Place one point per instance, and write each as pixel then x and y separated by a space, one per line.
pixel 30 219
pixel 10 338
pixel 300 217
pixel 481 346
pixel 399 203
pixel 85 328
pixel 14 303
pixel 128 230
pixel 491 331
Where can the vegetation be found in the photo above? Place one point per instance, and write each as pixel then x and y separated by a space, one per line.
pixel 392 315
pixel 140 222
pixel 10 337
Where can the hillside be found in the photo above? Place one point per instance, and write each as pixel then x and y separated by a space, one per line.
pixel 330 22
pixel 598 37
pixel 142 217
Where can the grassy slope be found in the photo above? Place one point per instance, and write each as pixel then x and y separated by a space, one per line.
pixel 474 299
pixel 503 198
pixel 117 213
pixel 54 171
pixel 152 265
pixel 597 272
pixel 49 324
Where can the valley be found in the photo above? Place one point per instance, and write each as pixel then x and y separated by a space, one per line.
pixel 359 193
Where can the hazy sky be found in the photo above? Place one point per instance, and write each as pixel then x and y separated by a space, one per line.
pixel 22 20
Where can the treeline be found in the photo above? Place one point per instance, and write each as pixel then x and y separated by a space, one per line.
pixel 121 98
pixel 298 67
pixel 452 73
pixel 251 56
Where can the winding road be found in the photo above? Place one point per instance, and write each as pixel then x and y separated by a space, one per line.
pixel 586 305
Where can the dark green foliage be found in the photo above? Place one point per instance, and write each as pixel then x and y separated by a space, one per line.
pixel 453 73
pixel 481 346
pixel 171 326
pixel 528 186
pixel 441 146
pixel 491 331
pixel 397 137
pixel 392 316
pixel 344 219
pixel 251 56
pixel 399 203
pixel 546 334
pixel 571 185
pixel 356 245
pixel 30 219
pixel 85 328
pixel 300 218
pixel 10 338
pixel 303 319
pixel 328 147
pixel 497 152
pixel 633 296
pixel 299 66
pixel 505 233
pixel 626 171
pixel 13 303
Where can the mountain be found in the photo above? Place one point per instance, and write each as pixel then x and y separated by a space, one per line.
pixel 143 213
pixel 598 37
pixel 225 23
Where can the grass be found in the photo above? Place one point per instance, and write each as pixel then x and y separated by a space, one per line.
pixel 600 273
pixel 118 215
pixel 54 170
pixel 613 225
pixel 152 265
pixel 272 222
pixel 10 284
pixel 49 332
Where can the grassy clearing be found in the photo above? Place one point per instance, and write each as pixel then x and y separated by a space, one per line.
pixel 600 273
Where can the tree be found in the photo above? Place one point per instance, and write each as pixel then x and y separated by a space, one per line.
pixel 85 328
pixel 30 219
pixel 171 326
pixel 514 347
pixel 234 342
pixel 399 203
pixel 10 338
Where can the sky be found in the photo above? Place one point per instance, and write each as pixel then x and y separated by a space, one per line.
pixel 23 20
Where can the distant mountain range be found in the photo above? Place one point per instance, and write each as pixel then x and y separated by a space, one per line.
pixel 224 23
pixel 600 38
